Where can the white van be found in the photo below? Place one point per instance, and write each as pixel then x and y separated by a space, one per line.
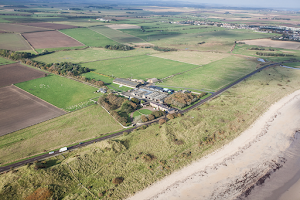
pixel 63 149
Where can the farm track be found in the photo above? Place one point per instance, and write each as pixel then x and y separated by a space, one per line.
pixel 71 148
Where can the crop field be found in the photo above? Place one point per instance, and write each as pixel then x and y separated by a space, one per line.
pixel 215 75
pixel 274 43
pixel 50 25
pixel 50 39
pixel 4 61
pixel 19 109
pixel 13 42
pixel 222 119
pixel 123 26
pixel 18 28
pixel 16 73
pixel 139 67
pixel 68 129
pixel 85 23
pixel 91 54
pixel 116 35
pixel 59 91
pixel 89 37
pixel 192 57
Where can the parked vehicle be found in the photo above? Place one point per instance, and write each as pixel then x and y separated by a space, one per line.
pixel 63 149
pixel 51 152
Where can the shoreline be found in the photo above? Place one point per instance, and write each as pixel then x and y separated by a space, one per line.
pixel 233 169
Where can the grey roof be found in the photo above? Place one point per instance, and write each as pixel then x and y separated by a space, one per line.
pixel 126 82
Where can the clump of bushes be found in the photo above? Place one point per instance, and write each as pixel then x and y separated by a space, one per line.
pixel 120 47
pixel 164 48
pixel 40 194
pixel 182 100
pixel 148 157
pixel 118 180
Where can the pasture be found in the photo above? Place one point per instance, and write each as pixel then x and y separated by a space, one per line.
pixel 68 129
pixel 90 55
pixel 215 75
pixel 50 39
pixel 59 91
pixel 4 61
pixel 116 35
pixel 19 109
pixel 192 57
pixel 13 42
pixel 221 119
pixel 89 37
pixel 139 67
pixel 16 73
pixel 49 25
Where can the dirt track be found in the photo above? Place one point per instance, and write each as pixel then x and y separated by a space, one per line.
pixel 16 73
pixel 50 39
pixel 19 109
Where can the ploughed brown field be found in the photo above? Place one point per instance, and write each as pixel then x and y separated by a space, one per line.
pixel 19 109
pixel 50 39
pixel 274 43
pixel 50 25
pixel 2 31
pixel 18 28
pixel 16 73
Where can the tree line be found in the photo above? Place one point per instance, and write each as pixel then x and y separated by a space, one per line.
pixel 274 54
pixel 182 100
pixel 120 47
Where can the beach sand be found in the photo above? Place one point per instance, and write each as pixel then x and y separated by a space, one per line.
pixel 230 172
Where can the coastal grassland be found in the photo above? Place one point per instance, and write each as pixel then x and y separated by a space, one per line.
pixel 219 41
pixel 84 124
pixel 116 35
pixel 243 49
pixel 59 91
pixel 146 156
pixel 13 42
pixel 4 61
pixel 88 37
pixel 90 54
pixel 214 75
pixel 192 57
pixel 139 67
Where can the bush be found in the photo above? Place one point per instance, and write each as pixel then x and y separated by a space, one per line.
pixel 158 114
pixel 170 116
pixel 148 157
pixel 40 194
pixel 151 117
pixel 161 121
pixel 144 118
pixel 118 180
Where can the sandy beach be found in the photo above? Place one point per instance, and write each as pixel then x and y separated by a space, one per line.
pixel 231 171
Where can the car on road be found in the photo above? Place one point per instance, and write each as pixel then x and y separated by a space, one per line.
pixel 51 152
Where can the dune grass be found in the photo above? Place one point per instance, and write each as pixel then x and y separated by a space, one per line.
pixel 59 91
pixel 145 156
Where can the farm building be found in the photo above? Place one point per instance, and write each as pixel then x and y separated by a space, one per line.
pixel 162 107
pixel 149 94
pixel 125 82
pixel 102 90
pixel 152 80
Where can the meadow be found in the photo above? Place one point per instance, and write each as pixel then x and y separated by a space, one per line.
pixel 4 61
pixel 215 75
pixel 116 35
pixel 293 64
pixel 145 156
pixel 59 91
pixel 72 128
pixel 88 37
pixel 139 67
pixel 90 54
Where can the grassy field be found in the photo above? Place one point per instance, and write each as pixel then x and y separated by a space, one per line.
pixel 59 91
pixel 293 64
pixel 90 54
pixel 61 49
pixel 68 129
pixel 221 120
pixel 88 37
pixel 4 61
pixel 139 67
pixel 192 57
pixel 13 42
pixel 142 112
pixel 215 75
pixel 116 35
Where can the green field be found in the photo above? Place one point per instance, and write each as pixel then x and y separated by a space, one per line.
pixel 4 61
pixel 215 75
pixel 61 49
pixel 13 42
pixel 142 112
pixel 88 37
pixel 59 91
pixel 139 67
pixel 116 35
pixel 90 54
pixel 68 129
pixel 221 119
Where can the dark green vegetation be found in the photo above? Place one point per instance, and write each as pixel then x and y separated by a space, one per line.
pixel 59 91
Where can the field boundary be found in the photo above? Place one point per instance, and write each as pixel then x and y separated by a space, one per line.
pixel 173 60
pixel 102 34
pixel 70 37
pixel 28 43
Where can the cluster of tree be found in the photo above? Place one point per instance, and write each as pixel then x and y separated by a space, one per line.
pixel 181 100
pixel 121 47
pixel 164 48
pixel 119 107
pixel 89 80
pixel 14 55
pixel 261 49
pixel 152 116
pixel 274 54
pixel 67 68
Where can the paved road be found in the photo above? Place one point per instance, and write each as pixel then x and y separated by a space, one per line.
pixel 41 157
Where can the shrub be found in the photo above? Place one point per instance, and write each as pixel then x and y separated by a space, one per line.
pixel 161 121
pixel 170 116
pixel 148 157
pixel 118 180
pixel 151 117
pixel 144 118
pixel 40 194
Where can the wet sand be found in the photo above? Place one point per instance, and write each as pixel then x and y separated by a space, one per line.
pixel 244 167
